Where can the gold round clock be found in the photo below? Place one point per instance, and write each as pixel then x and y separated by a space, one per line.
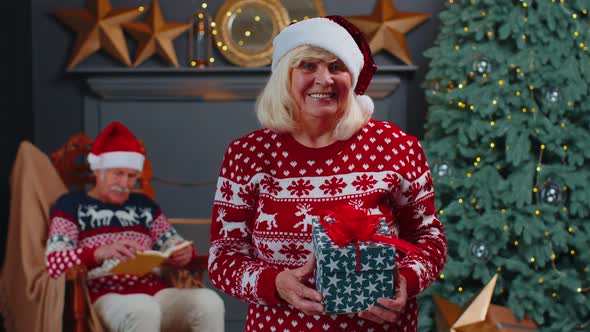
pixel 246 28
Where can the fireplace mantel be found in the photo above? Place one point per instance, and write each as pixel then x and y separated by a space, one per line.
pixel 205 84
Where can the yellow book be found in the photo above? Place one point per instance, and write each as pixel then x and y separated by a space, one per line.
pixel 145 261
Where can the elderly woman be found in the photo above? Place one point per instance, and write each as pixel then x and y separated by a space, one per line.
pixel 319 149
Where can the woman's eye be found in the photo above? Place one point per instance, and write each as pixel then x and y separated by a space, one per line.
pixel 308 66
pixel 336 67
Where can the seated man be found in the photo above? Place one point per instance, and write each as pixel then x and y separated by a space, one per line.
pixel 110 223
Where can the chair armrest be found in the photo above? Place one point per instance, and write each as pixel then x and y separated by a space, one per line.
pixel 190 276
pixel 78 272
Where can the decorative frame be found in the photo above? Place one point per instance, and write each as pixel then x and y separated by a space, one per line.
pixel 227 44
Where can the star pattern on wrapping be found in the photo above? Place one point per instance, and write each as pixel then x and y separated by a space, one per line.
pixel 155 36
pixel 98 27
pixel 386 27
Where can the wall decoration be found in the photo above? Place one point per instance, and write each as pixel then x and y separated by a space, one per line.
pixel 200 39
pixel 385 28
pixel 245 29
pixel 155 35
pixel 98 27
pixel 303 9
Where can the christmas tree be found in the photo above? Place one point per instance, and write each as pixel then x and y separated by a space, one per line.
pixel 508 141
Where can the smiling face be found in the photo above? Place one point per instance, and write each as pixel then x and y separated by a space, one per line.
pixel 320 89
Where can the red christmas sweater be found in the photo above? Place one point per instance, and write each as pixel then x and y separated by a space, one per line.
pixel 80 224
pixel 270 188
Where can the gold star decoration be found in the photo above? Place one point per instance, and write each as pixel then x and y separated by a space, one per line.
pixel 478 314
pixel 98 26
pixel 385 28
pixel 155 36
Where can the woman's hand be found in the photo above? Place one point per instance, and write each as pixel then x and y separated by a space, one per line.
pixel 393 307
pixel 291 289
pixel 181 257
pixel 121 250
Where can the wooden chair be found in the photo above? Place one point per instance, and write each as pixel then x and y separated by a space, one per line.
pixel 72 166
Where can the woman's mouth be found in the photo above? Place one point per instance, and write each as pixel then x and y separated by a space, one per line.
pixel 322 95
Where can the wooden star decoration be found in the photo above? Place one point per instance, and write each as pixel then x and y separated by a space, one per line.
pixel 155 36
pixel 478 314
pixel 98 27
pixel 385 28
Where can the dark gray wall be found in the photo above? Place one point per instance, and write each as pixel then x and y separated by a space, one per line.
pixel 16 93
pixel 49 103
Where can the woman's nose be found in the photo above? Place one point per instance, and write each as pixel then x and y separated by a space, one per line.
pixel 324 76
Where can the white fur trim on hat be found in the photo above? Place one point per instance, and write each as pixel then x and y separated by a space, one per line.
pixel 323 33
pixel 366 103
pixel 117 159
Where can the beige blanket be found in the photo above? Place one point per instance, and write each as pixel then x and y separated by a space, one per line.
pixel 30 300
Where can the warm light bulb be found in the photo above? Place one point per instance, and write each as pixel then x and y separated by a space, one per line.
pixel 441 212
pixel 442 276
pixel 460 200
pixel 541 280
pixel 204 5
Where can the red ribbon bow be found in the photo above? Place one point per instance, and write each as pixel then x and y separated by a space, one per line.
pixel 347 224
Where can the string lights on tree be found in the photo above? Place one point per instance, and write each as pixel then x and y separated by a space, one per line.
pixel 514 132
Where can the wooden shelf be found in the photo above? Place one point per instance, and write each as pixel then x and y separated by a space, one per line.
pixel 205 84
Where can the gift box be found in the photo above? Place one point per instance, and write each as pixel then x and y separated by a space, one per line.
pixel 351 277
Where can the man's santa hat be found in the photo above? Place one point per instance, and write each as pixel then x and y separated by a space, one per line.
pixel 338 36
pixel 116 147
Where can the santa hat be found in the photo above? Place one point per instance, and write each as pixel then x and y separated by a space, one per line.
pixel 338 36
pixel 116 147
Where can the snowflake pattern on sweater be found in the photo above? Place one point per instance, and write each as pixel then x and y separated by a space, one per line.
pixel 270 188
pixel 80 224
